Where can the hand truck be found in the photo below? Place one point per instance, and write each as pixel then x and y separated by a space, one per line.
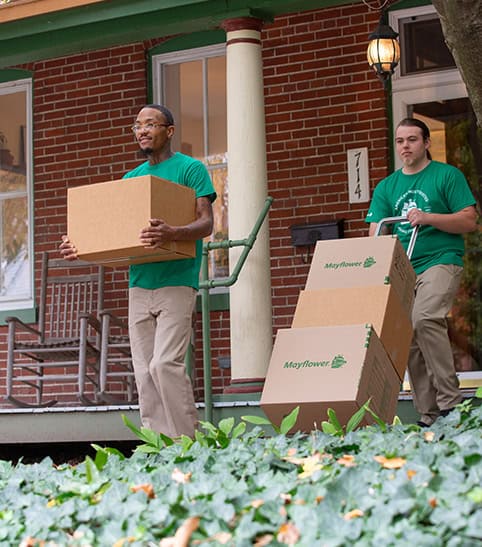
pixel 401 219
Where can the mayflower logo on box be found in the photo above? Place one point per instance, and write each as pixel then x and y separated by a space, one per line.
pixel 367 263
pixel 337 362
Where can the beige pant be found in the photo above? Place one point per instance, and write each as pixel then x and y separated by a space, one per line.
pixel 431 365
pixel 160 323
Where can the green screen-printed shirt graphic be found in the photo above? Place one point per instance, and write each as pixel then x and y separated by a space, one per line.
pixel 439 188
pixel 336 362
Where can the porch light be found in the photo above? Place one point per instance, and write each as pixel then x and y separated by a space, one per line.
pixel 383 51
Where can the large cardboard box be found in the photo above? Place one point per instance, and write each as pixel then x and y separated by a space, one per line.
pixel 363 261
pixel 379 305
pixel 104 220
pixel 317 368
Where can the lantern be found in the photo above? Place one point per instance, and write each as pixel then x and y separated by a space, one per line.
pixel 383 51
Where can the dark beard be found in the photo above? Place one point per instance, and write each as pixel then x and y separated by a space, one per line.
pixel 146 152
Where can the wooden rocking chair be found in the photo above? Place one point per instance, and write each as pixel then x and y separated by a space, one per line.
pixel 66 345
pixel 116 361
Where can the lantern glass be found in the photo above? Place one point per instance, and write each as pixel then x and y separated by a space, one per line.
pixel 383 55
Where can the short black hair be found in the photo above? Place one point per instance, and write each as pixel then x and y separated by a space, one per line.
pixel 164 110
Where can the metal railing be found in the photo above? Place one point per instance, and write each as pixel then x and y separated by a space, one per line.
pixel 206 284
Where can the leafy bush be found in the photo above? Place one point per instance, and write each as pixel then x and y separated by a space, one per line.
pixel 391 486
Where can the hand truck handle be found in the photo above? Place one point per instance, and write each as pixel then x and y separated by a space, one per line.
pixel 401 219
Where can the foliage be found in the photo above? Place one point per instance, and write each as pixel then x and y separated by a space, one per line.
pixel 394 485
pixel 464 142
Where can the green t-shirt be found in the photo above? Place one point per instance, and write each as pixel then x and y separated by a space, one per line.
pixel 184 272
pixel 438 188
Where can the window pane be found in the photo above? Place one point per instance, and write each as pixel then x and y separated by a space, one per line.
pixel 217 105
pixel 219 258
pixel 15 263
pixel 423 45
pixel 185 97
pixel 12 141
pixel 15 267
pixel 12 181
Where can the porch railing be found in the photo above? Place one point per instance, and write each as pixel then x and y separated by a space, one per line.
pixel 206 284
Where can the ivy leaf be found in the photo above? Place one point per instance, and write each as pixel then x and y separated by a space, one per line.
pixel 256 420
pixel 139 433
pixel 475 494
pixel 209 427
pixel 329 428
pixel 91 471
pixel 166 439
pixel 101 457
pixel 356 419
pixel 333 419
pixel 185 442
pixel 289 421
pixel 378 420
pixel 156 440
pixel 226 425
pixel 239 430
pixel 147 449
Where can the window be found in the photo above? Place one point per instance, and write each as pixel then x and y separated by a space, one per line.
pixel 429 87
pixel 422 45
pixel 16 264
pixel 192 83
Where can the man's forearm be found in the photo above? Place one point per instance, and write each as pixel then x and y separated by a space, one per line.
pixel 461 222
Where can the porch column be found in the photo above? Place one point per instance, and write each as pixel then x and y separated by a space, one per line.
pixel 250 296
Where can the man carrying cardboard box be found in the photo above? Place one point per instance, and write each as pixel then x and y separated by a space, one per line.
pixel 162 294
pixel 436 197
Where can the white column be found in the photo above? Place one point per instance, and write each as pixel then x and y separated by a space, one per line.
pixel 250 296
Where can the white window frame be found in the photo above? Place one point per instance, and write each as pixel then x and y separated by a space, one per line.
pixel 159 92
pixel 422 87
pixel 185 55
pixel 429 78
pixel 25 85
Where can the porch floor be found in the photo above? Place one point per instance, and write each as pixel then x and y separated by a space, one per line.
pixel 103 424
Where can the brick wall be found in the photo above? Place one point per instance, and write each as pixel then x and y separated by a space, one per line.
pixel 321 100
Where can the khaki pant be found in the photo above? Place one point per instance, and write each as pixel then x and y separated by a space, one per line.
pixel 431 365
pixel 160 323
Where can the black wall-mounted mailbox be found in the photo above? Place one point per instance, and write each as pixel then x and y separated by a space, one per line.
pixel 309 234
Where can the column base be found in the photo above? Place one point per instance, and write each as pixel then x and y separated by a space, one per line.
pixel 245 385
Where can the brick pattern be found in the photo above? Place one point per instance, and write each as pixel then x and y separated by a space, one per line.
pixel 321 100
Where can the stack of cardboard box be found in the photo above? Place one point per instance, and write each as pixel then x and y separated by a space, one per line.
pixel 350 336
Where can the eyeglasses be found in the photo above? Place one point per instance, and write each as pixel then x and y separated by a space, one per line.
pixel 148 126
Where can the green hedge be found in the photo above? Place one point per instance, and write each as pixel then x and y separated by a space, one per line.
pixel 376 486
